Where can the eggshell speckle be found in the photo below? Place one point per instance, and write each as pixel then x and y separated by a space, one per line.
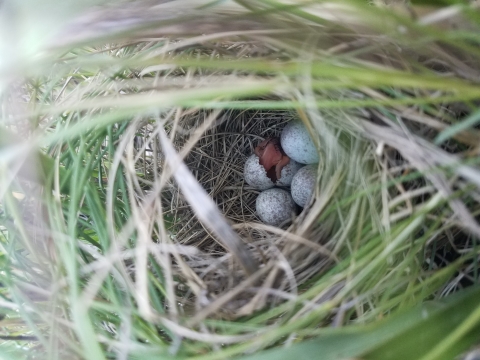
pixel 255 174
pixel 303 184
pixel 287 173
pixel 275 206
pixel 297 144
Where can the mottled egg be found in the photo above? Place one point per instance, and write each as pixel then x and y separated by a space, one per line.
pixel 297 144
pixel 275 206
pixel 256 176
pixel 303 184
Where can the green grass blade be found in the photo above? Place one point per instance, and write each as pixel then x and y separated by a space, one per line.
pixel 406 335
pixel 470 122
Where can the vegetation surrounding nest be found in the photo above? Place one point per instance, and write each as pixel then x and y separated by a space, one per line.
pixel 127 229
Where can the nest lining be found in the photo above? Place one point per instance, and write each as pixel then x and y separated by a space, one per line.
pixel 217 161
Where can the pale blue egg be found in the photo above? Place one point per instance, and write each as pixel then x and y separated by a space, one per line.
pixel 297 143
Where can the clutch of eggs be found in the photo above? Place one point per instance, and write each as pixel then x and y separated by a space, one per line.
pixel 276 206
pixel 256 176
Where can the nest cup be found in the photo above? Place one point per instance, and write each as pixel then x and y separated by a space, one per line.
pixel 297 249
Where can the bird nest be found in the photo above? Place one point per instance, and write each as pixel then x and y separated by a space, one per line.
pixel 214 148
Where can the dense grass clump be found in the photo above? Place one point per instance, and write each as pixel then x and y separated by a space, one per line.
pixel 128 231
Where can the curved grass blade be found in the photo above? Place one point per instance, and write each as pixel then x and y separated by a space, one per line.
pixel 471 121
pixel 409 334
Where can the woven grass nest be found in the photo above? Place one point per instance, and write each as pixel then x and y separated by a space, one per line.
pixel 210 277
pixel 148 230
pixel 215 147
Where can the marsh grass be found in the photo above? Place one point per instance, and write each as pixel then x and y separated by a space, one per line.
pixel 127 229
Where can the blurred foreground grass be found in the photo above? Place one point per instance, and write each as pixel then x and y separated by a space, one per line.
pixel 89 268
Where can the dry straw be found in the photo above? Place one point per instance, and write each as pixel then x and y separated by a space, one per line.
pixel 214 147
pixel 138 235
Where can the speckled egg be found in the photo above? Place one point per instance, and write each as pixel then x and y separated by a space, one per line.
pixel 275 206
pixel 297 144
pixel 255 174
pixel 287 173
pixel 303 184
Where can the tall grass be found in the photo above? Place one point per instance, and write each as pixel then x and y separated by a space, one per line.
pixel 92 101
